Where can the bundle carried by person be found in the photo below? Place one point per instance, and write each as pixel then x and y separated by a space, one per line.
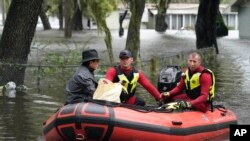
pixel 108 91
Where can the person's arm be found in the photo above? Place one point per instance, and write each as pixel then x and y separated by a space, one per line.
pixel 110 74
pixel 206 82
pixel 89 85
pixel 149 86
pixel 178 89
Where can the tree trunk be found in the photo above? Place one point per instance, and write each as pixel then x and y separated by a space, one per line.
pixel 121 19
pixel 18 32
pixel 67 14
pixel 3 11
pixel 206 24
pixel 60 15
pixel 77 17
pixel 99 13
pixel 133 38
pixel 108 40
pixel 221 28
pixel 44 18
pixel 160 23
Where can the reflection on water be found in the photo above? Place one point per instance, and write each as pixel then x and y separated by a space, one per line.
pixel 233 73
pixel 22 116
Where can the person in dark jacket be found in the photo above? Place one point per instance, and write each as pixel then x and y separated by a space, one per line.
pixel 83 83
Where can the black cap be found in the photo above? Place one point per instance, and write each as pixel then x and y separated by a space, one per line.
pixel 88 55
pixel 125 53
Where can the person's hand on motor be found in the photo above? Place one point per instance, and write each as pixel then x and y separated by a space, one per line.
pixel 165 95
pixel 184 104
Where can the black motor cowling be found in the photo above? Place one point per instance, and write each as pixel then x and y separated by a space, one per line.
pixel 168 78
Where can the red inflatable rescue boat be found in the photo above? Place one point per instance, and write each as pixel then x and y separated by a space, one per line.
pixel 95 121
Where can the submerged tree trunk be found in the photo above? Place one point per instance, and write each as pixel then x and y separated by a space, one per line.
pixel 108 40
pixel 206 24
pixel 221 28
pixel 18 32
pixel 60 15
pixel 77 17
pixel 99 14
pixel 160 23
pixel 44 18
pixel 3 11
pixel 121 19
pixel 133 38
pixel 67 14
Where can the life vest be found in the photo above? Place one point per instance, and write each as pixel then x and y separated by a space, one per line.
pixel 129 82
pixel 193 87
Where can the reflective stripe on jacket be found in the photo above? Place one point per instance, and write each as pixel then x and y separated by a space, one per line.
pixel 129 81
pixel 192 84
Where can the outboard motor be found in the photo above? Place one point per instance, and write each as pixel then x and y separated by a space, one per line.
pixel 168 78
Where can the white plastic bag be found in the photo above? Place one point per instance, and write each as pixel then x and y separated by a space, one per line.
pixel 108 91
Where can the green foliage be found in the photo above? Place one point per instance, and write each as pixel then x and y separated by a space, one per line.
pixel 83 5
pixel 105 6
pixel 53 62
pixel 102 7
pixel 226 1
pixel 99 10
pixel 188 1
pixel 54 6
pixel 6 4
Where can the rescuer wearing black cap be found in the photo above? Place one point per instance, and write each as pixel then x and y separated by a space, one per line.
pixel 128 76
pixel 125 53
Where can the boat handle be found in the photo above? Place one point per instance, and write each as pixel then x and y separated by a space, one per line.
pixel 177 122
pixel 80 137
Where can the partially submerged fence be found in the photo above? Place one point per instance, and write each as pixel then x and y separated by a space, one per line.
pixel 179 59
pixel 42 74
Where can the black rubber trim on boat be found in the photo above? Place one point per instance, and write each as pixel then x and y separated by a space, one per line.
pixel 49 127
pixel 110 124
pixel 78 115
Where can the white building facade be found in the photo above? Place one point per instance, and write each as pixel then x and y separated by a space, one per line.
pixel 243 8
pixel 181 16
